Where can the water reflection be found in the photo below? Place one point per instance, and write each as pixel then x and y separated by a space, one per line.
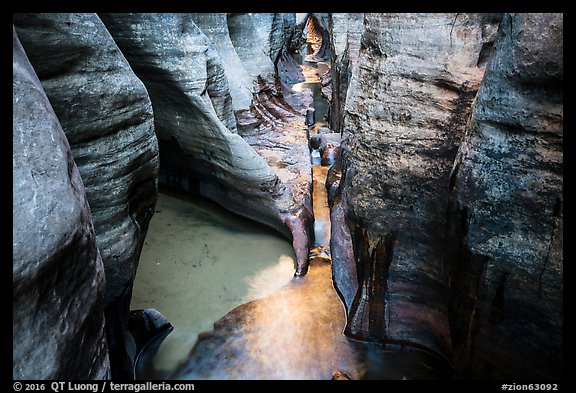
pixel 294 333
pixel 199 262
pixel 321 209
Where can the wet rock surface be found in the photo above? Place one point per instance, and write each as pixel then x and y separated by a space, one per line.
pixel 296 333
pixel 405 113
pixel 58 275
pixel 285 149
pixel 275 338
pixel 149 328
pixel 446 206
pixel 106 115
pixel 329 148
pixel 506 210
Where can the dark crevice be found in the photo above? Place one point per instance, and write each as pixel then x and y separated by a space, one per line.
pixel 368 320
pixel 497 311
pixel 484 54
pixel 546 259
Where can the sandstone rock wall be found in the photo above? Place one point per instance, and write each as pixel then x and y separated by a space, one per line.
pixel 183 74
pixel 447 222
pixel 58 275
pixel 249 46
pixel 405 114
pixel 106 115
pixel 287 69
pixel 274 30
pixel 215 27
pixel 506 210
pixel 345 32
pixel 318 36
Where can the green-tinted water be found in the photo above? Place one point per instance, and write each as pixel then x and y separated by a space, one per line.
pixel 199 262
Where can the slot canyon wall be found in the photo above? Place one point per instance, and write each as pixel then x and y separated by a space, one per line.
pixel 106 114
pixel 345 32
pixel 450 216
pixel 505 238
pixel 446 205
pixel 186 65
pixel 193 113
pixel 58 275
pixel 194 103
pixel 115 119
pixel 405 113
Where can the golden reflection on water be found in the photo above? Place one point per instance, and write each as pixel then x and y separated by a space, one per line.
pixel 198 263
pixel 296 333
pixel 320 205
pixel 293 333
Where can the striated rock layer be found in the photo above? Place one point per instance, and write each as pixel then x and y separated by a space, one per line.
pixel 193 115
pixel 284 146
pixel 57 276
pixel 288 71
pixel 106 114
pixel 405 114
pixel 346 32
pixel 199 147
pixel 274 30
pixel 506 210
pixel 240 81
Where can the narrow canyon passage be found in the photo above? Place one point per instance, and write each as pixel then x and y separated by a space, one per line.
pixel 288 196
pixel 307 310
pixel 286 328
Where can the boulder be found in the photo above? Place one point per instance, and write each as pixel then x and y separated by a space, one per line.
pixel 329 148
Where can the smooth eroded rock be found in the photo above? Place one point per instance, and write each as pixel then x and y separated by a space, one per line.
pixel 406 108
pixel 57 276
pixel 185 77
pixel 106 115
pixel 274 30
pixel 240 82
pixel 506 211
